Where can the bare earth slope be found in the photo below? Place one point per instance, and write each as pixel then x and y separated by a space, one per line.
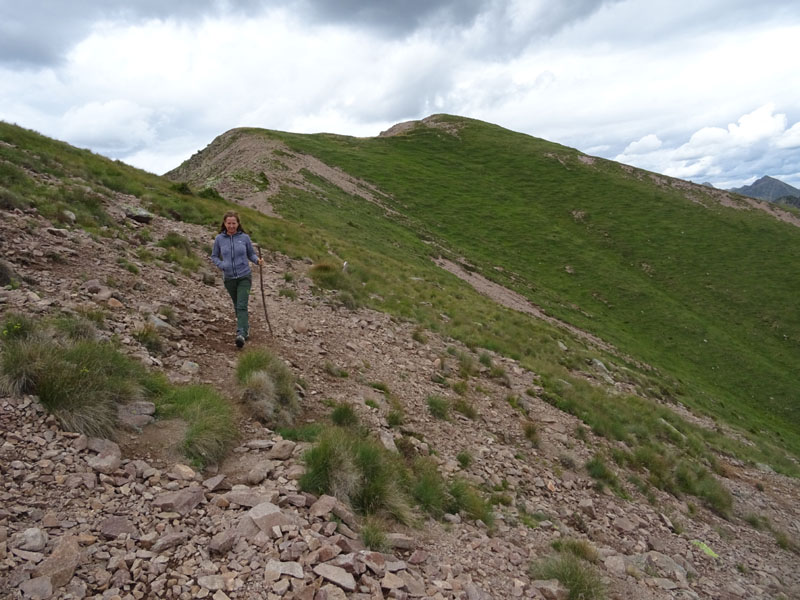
pixel 83 518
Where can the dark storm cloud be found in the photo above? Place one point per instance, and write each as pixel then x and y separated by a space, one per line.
pixel 40 32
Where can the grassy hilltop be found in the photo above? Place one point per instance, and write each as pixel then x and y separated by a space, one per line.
pixel 704 292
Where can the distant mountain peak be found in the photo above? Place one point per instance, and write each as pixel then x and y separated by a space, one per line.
pixel 768 188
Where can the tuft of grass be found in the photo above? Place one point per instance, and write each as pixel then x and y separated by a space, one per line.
pixel 464 459
pixel 259 359
pixel 373 534
pixel 438 406
pixel 344 415
pixel 287 293
pixel 335 371
pixel 598 470
pixel 303 433
pixel 694 479
pixel 465 498
pixel 428 487
pixel 16 326
pixel 395 418
pixel 358 470
pixel 380 386
pixel 531 433
pixel 581 579
pixel 212 429
pixel 75 327
pixel 466 408
pixel 582 549
pixel 149 337
pixel 179 251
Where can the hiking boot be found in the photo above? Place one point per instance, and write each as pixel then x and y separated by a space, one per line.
pixel 239 340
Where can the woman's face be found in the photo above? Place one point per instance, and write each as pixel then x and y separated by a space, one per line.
pixel 231 225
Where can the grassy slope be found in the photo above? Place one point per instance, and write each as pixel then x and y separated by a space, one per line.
pixel 433 177
pixel 706 294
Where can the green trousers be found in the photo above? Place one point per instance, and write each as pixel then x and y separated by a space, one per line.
pixel 239 289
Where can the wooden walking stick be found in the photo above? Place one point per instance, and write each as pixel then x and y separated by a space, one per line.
pixel 261 278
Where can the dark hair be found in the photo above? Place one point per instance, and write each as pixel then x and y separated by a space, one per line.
pixel 231 213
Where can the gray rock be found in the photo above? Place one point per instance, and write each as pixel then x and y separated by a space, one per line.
pixel 170 540
pixel 32 539
pixel 266 516
pixel 281 450
pixel 61 564
pixel 113 527
pixel 336 575
pixel 550 589
pixel 180 501
pixel 38 587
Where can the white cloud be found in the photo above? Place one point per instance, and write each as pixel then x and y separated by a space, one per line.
pixel 648 143
pixel 160 76
pixel 739 152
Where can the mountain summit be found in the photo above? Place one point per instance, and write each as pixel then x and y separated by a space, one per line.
pixel 768 188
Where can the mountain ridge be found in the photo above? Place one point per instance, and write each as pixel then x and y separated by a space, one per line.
pixel 768 188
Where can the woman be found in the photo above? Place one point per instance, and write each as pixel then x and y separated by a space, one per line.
pixel 232 251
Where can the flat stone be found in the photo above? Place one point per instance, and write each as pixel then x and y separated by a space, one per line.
pixel 250 497
pixel 182 472
pixel 281 450
pixel 323 506
pixel 61 564
pixel 212 582
pixel 400 540
pixel 214 483
pixel 266 516
pixel 38 587
pixel 223 541
pixel 391 581
pixel 170 540
pixel 113 527
pixel 336 575
pixel 180 501
pixel 550 589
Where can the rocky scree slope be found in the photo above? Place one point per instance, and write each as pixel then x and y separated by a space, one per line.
pixel 126 518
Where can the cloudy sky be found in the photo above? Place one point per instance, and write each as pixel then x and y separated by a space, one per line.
pixel 707 90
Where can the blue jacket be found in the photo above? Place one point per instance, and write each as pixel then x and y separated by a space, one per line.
pixel 231 253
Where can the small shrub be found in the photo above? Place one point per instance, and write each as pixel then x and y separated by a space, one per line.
pixel 438 406
pixel 274 402
pixel 464 459
pixel 22 363
pixel 287 293
pixel 288 277
pixel 582 581
pixel 419 336
pixel 344 415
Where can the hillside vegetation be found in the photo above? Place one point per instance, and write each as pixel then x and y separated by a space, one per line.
pixel 682 277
